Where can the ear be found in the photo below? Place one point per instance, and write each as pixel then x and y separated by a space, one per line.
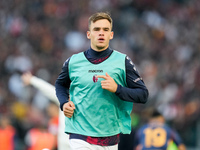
pixel 88 35
pixel 111 35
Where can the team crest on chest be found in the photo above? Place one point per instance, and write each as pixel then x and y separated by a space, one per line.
pixel 95 79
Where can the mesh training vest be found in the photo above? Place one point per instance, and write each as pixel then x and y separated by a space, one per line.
pixel 98 112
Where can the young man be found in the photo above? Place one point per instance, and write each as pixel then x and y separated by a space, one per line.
pixel 157 135
pixel 102 85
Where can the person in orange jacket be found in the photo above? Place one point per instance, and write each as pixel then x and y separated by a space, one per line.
pixel 39 138
pixel 7 134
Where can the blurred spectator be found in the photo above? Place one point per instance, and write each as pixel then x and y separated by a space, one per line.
pixel 7 133
pixel 156 134
pixel 53 113
pixel 39 137
pixel 56 121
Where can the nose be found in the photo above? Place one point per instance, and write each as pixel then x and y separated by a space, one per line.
pixel 101 33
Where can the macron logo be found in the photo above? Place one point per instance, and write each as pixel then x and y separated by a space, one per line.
pixel 95 71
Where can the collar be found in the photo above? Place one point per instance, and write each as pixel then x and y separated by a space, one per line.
pixel 96 54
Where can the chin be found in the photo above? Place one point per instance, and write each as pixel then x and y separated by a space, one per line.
pixel 101 47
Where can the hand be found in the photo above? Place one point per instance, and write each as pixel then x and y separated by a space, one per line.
pixel 26 78
pixel 139 147
pixel 68 109
pixel 109 83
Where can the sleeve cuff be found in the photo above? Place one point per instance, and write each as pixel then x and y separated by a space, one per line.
pixel 118 89
pixel 61 105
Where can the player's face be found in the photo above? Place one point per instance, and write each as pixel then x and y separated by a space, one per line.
pixel 100 34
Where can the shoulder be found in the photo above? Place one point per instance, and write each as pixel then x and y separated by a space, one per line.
pixel 119 53
pixel 122 54
pixel 74 56
pixel 130 65
pixel 140 130
pixel 65 64
pixel 81 54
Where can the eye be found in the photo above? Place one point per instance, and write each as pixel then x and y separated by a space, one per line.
pixel 106 29
pixel 96 29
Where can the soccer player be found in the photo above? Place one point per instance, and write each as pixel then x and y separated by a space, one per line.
pixel 157 135
pixel 102 84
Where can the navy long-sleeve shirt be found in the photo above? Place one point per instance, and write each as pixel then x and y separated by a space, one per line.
pixel 135 91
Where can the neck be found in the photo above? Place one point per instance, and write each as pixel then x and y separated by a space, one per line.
pixel 99 49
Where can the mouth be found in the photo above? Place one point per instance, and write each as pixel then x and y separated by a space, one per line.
pixel 101 40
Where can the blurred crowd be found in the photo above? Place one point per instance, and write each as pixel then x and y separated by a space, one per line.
pixel 161 37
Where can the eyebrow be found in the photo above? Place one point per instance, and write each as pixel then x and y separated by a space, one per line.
pixel 105 28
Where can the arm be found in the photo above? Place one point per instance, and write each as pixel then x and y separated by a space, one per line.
pixel 177 140
pixel 46 88
pixel 136 90
pixel 62 85
pixel 62 91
